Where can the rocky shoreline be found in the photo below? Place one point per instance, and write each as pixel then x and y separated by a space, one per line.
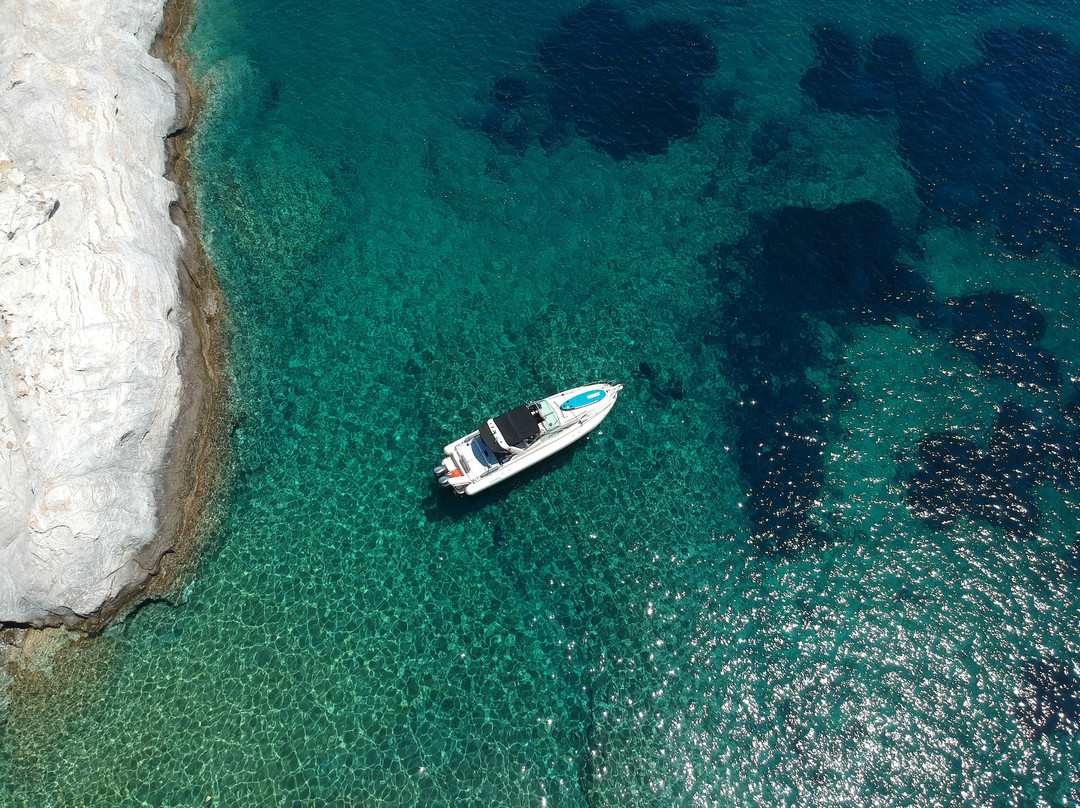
pixel 124 500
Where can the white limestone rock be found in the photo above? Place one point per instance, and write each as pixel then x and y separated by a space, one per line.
pixel 89 297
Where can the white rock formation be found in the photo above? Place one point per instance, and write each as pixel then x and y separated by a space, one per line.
pixel 89 384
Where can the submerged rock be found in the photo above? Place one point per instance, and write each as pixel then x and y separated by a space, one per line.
pixel 993 485
pixel 993 142
pixel 999 332
pixel 511 118
pixel 90 303
pixel 769 141
pixel 663 389
pixel 892 72
pixel 946 483
pixel 845 81
pixel 837 83
pixel 627 90
pixel 841 263
pixel 781 456
pixel 1048 699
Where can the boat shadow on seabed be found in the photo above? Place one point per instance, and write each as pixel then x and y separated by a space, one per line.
pixel 439 504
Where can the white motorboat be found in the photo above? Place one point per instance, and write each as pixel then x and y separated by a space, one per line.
pixel 524 436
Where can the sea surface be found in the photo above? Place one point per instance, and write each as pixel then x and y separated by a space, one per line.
pixel 824 551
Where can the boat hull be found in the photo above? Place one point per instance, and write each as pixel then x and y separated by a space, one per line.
pixel 469 468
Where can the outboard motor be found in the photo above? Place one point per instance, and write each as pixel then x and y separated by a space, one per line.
pixel 440 471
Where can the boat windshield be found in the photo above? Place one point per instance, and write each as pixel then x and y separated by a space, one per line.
pixel 550 416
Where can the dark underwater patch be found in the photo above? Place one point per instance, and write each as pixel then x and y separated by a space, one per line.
pixel 770 141
pixel 1000 141
pixel 1061 454
pixel 956 479
pixel 513 116
pixel 997 141
pixel 995 484
pixel 1048 699
pixel 999 331
pixel 781 449
pixel 943 488
pixel 627 90
pixel 840 265
pixel 837 83
pixel 894 77
pixel 662 388
pixel 847 81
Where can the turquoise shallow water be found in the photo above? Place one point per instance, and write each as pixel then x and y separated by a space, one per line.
pixel 683 610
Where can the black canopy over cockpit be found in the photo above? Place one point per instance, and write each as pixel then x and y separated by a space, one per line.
pixel 512 429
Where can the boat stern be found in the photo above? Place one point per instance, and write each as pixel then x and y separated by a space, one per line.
pixel 450 474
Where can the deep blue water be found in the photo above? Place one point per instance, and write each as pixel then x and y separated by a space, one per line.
pixel 824 551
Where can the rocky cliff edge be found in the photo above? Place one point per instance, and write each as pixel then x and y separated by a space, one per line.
pixel 90 304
